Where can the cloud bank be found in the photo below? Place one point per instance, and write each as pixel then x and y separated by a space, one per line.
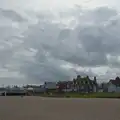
pixel 49 47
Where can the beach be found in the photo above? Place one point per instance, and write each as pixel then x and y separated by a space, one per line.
pixel 40 108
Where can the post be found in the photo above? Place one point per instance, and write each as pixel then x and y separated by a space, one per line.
pixel 5 93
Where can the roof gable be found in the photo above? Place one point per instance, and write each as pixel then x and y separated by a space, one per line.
pixel 115 82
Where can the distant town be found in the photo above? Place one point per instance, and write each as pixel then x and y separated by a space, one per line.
pixel 77 85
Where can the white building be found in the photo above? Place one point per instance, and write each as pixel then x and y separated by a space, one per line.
pixel 16 90
pixel 50 85
pixel 113 88
pixel 114 85
pixel 94 88
pixel 39 89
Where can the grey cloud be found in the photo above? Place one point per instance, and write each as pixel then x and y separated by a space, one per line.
pixel 97 16
pixel 101 39
pixel 103 14
pixel 96 42
pixel 7 46
pixel 86 72
pixel 11 15
pixel 12 81
pixel 64 34
pixel 63 44
pixel 54 45
pixel 46 70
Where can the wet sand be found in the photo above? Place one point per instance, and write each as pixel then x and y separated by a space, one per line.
pixel 38 108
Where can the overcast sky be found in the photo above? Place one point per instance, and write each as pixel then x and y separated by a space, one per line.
pixel 58 39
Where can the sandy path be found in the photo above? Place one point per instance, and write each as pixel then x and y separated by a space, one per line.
pixel 37 108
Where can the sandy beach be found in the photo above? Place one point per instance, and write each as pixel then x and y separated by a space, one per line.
pixel 38 108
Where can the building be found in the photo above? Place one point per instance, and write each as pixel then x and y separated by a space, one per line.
pixel 114 85
pixel 34 89
pixel 112 88
pixel 15 91
pixel 39 89
pixel 80 84
pixel 65 86
pixel 50 85
pixel 2 91
pixel 85 84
